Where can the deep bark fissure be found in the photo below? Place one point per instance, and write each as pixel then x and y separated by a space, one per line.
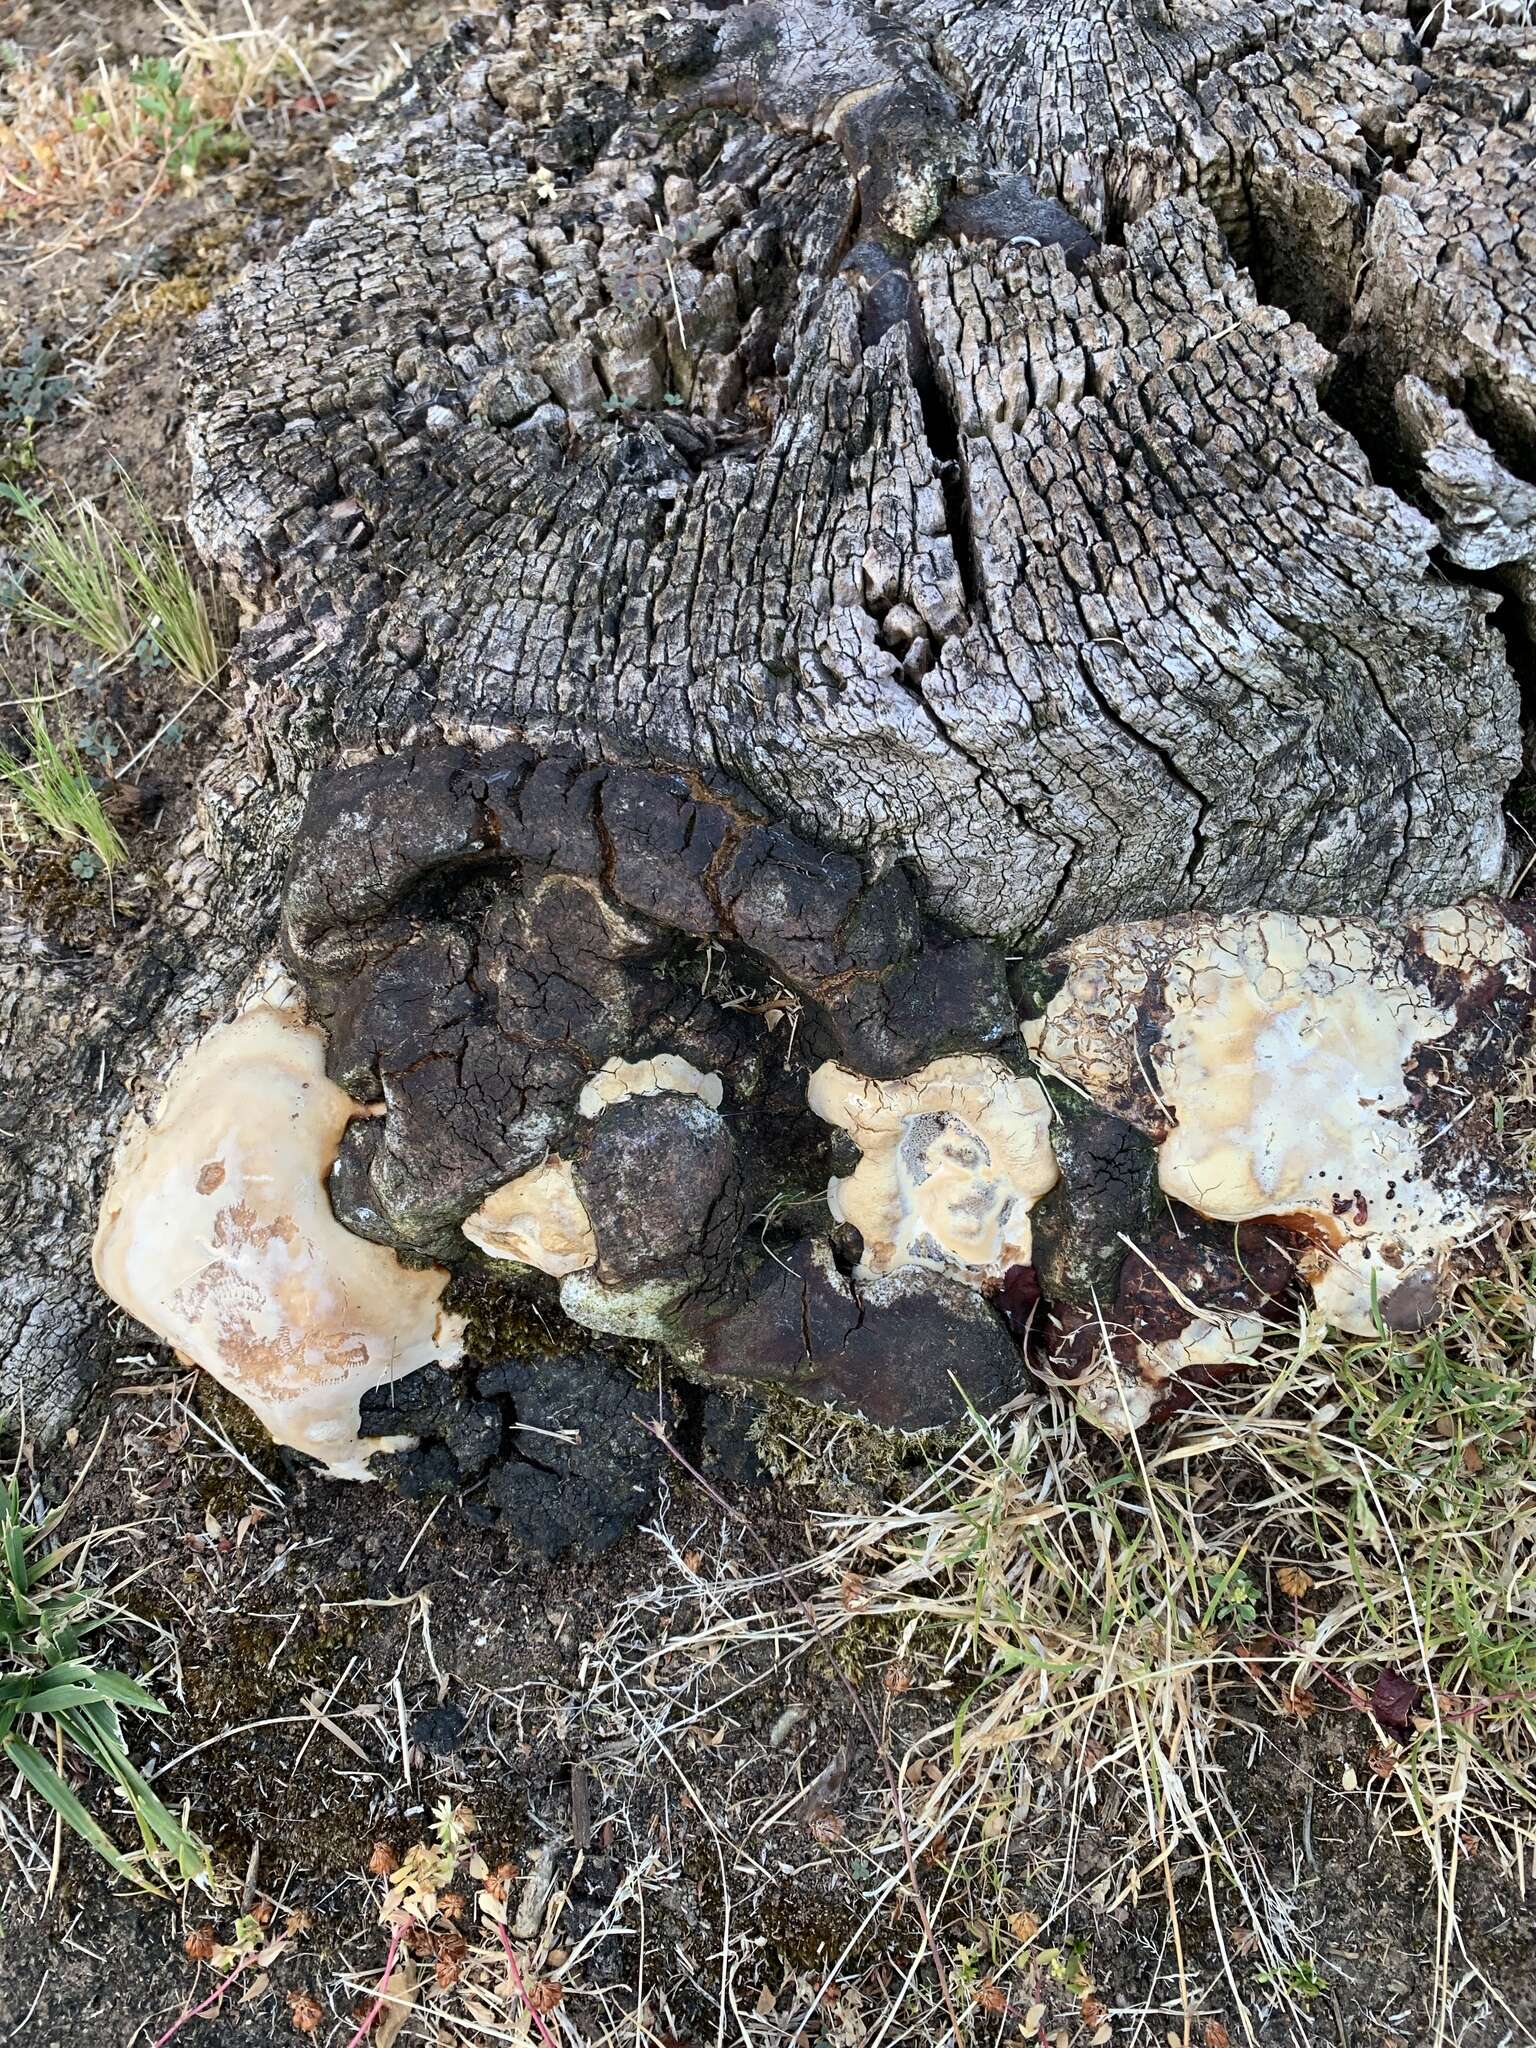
pixel 941 427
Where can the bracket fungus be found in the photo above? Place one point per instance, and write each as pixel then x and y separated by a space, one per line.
pixel 954 1157
pixel 1332 1077
pixel 666 1073
pixel 650 1065
pixel 216 1231
pixel 539 1220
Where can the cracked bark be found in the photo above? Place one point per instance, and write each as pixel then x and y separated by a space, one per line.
pixel 902 425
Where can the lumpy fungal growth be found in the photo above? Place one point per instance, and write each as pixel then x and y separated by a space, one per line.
pixel 954 1158
pixel 1321 1072
pixel 216 1232
pixel 668 1073
pixel 539 1220
pixel 619 1030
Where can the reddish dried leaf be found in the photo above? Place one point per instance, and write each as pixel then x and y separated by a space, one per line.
pixel 305 2012
pixel 1393 1699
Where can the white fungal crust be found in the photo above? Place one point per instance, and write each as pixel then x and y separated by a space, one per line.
pixel 216 1231
pixel 1115 1398
pixel 539 1220
pixel 955 1157
pixel 1309 1070
pixel 668 1073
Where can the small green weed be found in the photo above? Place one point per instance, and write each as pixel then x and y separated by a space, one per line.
pixel 170 122
pixel 1300 1977
pixel 55 1696
pixel 33 390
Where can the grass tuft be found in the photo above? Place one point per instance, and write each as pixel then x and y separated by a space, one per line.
pixel 61 1711
pixel 1355 1536
pixel 120 588
pixel 78 583
pixel 1100 1658
pixel 175 610
pixel 52 788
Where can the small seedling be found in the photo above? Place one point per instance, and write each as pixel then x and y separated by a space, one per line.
pixel 33 391
pixel 1301 1978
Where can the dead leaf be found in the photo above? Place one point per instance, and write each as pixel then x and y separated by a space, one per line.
pixel 401 1992
pixel 304 2011
pixel 1393 1699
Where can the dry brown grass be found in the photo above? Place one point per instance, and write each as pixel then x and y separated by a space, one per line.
pixel 1096 1633
pixel 75 135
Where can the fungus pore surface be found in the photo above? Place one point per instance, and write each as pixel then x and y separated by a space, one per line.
pixel 216 1231
pixel 1321 1072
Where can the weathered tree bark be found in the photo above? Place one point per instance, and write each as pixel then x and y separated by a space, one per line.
pixel 896 446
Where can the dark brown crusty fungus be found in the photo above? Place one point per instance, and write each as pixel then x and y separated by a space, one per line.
pixel 587 999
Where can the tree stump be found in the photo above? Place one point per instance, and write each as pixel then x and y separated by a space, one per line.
pixel 758 529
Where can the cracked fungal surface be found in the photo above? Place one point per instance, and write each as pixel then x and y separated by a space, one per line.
pixel 585 999
pixel 1333 1077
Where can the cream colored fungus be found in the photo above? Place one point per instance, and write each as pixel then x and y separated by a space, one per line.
pixel 538 1219
pixel 216 1232
pixel 668 1073
pixel 1282 1069
pixel 954 1158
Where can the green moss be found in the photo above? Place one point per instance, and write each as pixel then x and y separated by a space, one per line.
pixel 848 1464
pixel 171 302
pixel 510 1320
pixel 224 1489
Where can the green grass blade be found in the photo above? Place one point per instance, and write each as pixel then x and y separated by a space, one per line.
pixel 77 579
pixel 158 1826
pixel 173 605
pixel 54 788
pixel 109 1685
pixel 45 1781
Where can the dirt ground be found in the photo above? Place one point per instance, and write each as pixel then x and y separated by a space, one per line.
pixel 697 1787
pixel 345 1659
